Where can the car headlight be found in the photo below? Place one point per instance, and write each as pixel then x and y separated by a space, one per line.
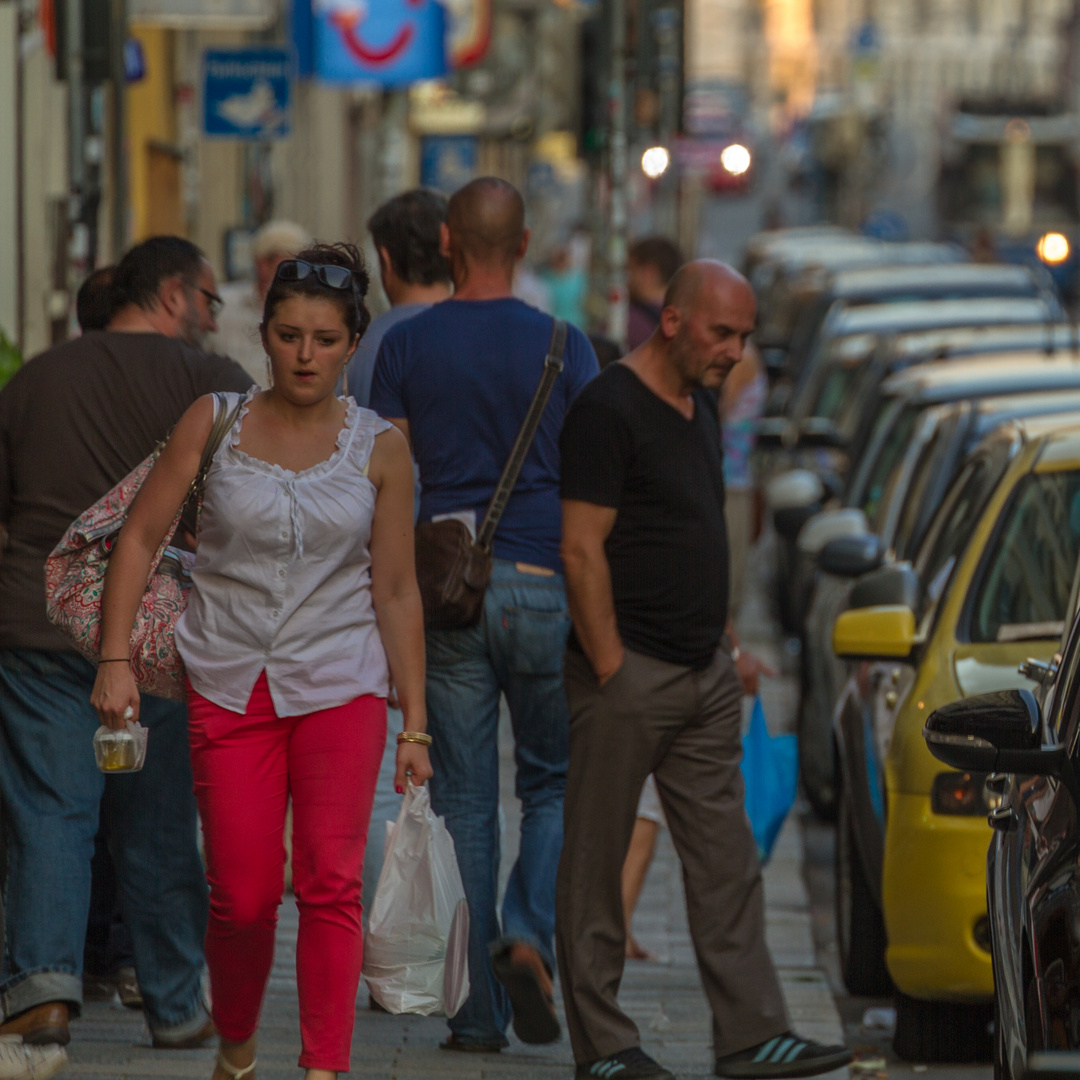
pixel 962 794
pixel 735 159
pixel 1053 248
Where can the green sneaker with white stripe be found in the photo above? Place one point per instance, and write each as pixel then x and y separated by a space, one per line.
pixel 784 1056
pixel 630 1064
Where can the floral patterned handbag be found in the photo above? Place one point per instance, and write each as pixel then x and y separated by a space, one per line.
pixel 75 575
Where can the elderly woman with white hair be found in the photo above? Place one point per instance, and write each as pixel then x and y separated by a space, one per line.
pixel 238 322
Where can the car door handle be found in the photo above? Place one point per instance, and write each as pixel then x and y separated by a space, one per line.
pixel 1003 818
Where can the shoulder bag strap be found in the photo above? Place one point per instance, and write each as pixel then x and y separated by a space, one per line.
pixel 553 365
pixel 224 418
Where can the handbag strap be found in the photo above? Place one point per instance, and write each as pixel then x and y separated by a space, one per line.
pixel 224 418
pixel 553 365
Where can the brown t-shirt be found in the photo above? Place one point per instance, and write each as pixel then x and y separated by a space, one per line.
pixel 74 421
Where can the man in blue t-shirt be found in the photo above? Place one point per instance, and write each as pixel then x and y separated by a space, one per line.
pixel 458 379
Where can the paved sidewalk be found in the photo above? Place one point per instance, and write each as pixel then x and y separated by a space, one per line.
pixel 664 998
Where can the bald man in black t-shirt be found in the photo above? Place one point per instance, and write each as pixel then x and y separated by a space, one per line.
pixel 655 685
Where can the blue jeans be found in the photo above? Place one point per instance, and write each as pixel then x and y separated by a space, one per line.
pixel 51 791
pixel 516 650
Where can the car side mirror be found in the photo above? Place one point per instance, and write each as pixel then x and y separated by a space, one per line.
pixel 891 584
pixel 852 556
pixel 996 732
pixel 875 633
pixel 816 432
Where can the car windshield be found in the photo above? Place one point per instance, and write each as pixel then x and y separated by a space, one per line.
pixel 1023 590
pixel 955 522
pixel 929 475
pixel 889 460
pixel 836 389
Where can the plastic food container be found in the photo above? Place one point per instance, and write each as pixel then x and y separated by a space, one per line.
pixel 120 751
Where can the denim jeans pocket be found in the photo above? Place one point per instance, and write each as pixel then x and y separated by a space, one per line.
pixel 536 639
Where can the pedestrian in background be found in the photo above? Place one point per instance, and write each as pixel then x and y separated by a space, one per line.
pixel 238 323
pixel 108 960
pixel 650 265
pixel 96 301
pixel 655 681
pixel 742 405
pixel 73 422
pixel 304 603
pixel 415 275
pixel 458 379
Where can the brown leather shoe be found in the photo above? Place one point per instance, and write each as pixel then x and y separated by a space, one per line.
pixel 41 1025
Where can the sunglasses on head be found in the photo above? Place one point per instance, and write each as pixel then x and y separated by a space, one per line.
pixel 335 277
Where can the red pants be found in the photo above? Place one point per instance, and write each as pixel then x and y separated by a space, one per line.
pixel 245 769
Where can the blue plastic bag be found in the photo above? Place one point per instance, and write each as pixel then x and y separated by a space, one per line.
pixel 770 768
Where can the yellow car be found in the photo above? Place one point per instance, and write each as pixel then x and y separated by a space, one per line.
pixel 990 589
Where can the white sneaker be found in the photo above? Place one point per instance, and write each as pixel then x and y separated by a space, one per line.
pixel 21 1062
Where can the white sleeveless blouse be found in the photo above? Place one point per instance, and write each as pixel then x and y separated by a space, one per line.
pixel 282 578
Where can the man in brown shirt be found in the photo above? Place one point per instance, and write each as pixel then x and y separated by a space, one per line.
pixel 73 422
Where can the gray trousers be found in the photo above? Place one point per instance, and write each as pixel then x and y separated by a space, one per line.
pixel 683 726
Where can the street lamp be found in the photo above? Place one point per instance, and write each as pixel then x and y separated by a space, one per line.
pixel 655 162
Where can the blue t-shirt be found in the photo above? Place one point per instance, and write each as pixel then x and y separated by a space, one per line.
pixel 362 365
pixel 463 374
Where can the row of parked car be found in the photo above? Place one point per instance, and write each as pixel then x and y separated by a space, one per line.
pixel 921 465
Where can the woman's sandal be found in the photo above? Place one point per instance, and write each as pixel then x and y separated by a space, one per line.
pixel 232 1070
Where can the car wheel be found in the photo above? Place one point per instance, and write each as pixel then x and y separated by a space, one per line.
pixel 944 1032
pixel 860 928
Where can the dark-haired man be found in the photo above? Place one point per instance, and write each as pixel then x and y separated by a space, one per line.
pixel 166 286
pixel 414 273
pixel 73 423
pixel 458 379
pixel 655 683
pixel 650 265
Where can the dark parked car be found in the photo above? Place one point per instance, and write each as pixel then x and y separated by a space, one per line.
pixel 1024 746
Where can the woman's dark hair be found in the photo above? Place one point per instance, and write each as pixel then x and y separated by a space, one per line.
pixel 354 311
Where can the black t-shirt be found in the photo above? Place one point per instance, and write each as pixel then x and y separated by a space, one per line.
pixel 623 447
pixel 74 422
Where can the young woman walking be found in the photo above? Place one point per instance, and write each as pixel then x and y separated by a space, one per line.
pixel 304 606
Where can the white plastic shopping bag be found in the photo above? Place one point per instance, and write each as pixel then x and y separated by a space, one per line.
pixel 416 948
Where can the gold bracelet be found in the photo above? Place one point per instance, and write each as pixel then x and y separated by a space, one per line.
pixel 420 737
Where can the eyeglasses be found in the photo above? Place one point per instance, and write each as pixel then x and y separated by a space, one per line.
pixel 213 301
pixel 335 277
